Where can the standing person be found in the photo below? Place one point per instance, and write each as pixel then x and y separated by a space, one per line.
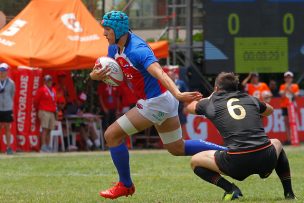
pixel 237 116
pixel 288 91
pixel 109 100
pixel 274 88
pixel 7 92
pixel 45 102
pixel 256 88
pixel 127 98
pixel 173 74
pixel 157 101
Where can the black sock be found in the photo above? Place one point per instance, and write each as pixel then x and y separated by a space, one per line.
pixel 283 171
pixel 213 177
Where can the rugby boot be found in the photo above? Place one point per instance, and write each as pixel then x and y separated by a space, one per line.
pixel 290 195
pixel 235 193
pixel 117 190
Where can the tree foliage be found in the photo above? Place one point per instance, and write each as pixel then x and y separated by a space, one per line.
pixel 12 7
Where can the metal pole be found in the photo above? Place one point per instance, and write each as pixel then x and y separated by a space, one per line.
pixel 173 15
pixel 189 29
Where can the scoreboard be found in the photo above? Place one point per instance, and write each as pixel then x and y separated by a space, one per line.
pixel 265 36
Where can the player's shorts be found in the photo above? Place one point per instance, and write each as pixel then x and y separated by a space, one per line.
pixel 284 111
pixel 47 119
pixel 158 109
pixel 240 166
pixel 6 116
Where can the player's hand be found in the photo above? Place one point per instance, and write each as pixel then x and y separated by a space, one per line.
pixel 99 73
pixel 189 96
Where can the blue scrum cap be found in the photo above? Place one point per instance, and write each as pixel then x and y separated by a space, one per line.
pixel 118 21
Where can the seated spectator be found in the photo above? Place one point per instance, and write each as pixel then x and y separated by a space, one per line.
pixel 85 127
pixel 288 91
pixel 256 88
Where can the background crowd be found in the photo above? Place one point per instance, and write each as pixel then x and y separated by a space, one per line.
pixel 53 103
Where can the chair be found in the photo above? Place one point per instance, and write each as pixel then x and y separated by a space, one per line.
pixel 55 135
pixel 99 131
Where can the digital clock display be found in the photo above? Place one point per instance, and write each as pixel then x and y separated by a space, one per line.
pixel 263 36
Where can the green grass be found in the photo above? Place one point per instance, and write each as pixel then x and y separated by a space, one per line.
pixel 158 176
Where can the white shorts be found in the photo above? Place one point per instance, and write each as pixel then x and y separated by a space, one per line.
pixel 158 109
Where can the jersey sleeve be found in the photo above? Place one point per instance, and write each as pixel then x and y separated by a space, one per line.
pixel 112 51
pixel 296 89
pixel 201 107
pixel 143 56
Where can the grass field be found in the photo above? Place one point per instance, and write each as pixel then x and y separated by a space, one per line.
pixel 158 176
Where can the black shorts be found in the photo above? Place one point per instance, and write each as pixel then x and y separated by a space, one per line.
pixel 284 111
pixel 6 116
pixel 240 166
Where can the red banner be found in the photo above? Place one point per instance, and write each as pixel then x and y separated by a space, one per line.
pixel 199 127
pixel 27 132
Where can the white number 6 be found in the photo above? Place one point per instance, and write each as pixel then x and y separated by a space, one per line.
pixel 231 109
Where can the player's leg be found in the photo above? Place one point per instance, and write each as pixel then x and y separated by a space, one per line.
pixel 7 127
pixel 115 134
pixel 204 165
pixel 171 134
pixel 283 170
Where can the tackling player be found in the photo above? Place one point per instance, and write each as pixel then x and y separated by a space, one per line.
pixel 237 117
pixel 157 101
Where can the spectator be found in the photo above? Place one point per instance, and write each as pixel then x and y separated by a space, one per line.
pixel 173 74
pixel 127 98
pixel 256 88
pixel 61 89
pixel 288 91
pixel 7 92
pixel 274 88
pixel 45 102
pixel 85 127
pixel 110 102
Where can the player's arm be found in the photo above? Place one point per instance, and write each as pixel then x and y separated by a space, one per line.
pixel 156 71
pixel 190 107
pixel 265 109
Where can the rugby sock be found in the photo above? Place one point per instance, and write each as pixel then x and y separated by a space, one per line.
pixel 283 171
pixel 120 157
pixel 214 178
pixel 195 146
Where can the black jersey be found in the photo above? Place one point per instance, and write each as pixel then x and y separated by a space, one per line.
pixel 237 116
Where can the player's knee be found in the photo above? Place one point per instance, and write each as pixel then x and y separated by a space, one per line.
pixel 195 161
pixel 111 137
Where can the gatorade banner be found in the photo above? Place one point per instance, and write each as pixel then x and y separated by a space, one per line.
pixel 27 82
pixel 292 117
pixel 198 127
pixel 34 131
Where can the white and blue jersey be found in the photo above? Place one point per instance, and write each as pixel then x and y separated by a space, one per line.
pixel 134 60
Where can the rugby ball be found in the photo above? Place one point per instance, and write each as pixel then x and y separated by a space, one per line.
pixel 115 76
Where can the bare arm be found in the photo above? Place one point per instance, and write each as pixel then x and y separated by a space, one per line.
pixel 268 111
pixel 156 71
pixel 245 81
pixel 190 107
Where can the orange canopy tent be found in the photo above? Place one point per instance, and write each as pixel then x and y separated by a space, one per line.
pixel 56 34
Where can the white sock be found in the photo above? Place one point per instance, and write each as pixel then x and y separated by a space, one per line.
pixel 89 143
pixel 97 142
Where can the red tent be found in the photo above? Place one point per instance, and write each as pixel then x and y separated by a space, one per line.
pixel 55 34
